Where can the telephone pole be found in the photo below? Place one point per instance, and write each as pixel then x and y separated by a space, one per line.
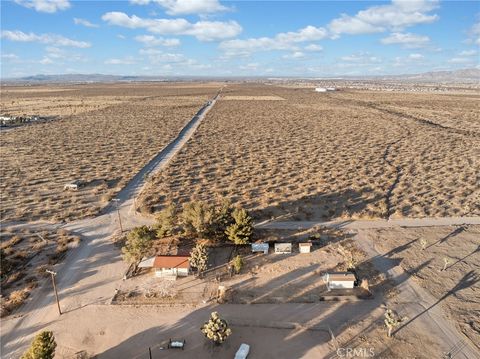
pixel 116 200
pixel 53 274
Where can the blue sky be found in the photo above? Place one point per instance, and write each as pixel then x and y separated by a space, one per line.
pixel 237 38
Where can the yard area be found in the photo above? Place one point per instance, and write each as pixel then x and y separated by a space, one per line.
pixel 264 278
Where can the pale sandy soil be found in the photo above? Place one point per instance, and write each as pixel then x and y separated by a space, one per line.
pixel 458 287
pixel 319 156
pixel 26 254
pixel 104 147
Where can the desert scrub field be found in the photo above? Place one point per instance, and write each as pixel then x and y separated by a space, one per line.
pixel 25 255
pixel 103 147
pixel 425 252
pixel 325 155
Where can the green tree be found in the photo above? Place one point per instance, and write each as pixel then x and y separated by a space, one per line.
pixel 199 257
pixel 237 263
pixel 240 232
pixel 42 347
pixel 166 221
pixel 139 244
pixel 197 218
pixel 216 329
pixel 223 218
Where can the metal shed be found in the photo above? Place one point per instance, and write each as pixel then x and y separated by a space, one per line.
pixel 304 247
pixel 260 247
pixel 283 248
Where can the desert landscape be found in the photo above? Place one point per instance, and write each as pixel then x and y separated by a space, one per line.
pixel 343 154
pixel 424 253
pixel 104 135
pixel 285 154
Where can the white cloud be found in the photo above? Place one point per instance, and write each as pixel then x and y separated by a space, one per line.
pixel 83 22
pixel 407 40
pixel 416 57
pixel 395 16
pixel 202 30
pixel 281 41
pixel 313 48
pixel 468 53
pixel 52 39
pixel 182 7
pixel 125 61
pixel 361 58
pixel 48 6
pixel 253 66
pixel 294 55
pixel 149 40
pixel 459 60
pixel 474 33
pixel 9 56
pixel 46 61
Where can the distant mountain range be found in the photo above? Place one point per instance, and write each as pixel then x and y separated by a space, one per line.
pixel 456 76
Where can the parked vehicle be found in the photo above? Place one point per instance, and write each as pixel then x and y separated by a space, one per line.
pixel 176 344
pixel 242 352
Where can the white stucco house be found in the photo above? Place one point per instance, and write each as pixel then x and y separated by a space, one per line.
pixel 339 280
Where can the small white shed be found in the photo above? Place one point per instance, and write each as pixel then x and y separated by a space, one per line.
pixel 260 247
pixel 339 280
pixel 304 247
pixel 283 248
pixel 320 89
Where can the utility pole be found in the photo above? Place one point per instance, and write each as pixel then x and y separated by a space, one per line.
pixel 150 352
pixel 116 200
pixel 53 274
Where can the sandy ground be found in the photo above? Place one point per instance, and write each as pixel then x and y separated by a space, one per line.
pixel 336 155
pixel 103 147
pixel 458 287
